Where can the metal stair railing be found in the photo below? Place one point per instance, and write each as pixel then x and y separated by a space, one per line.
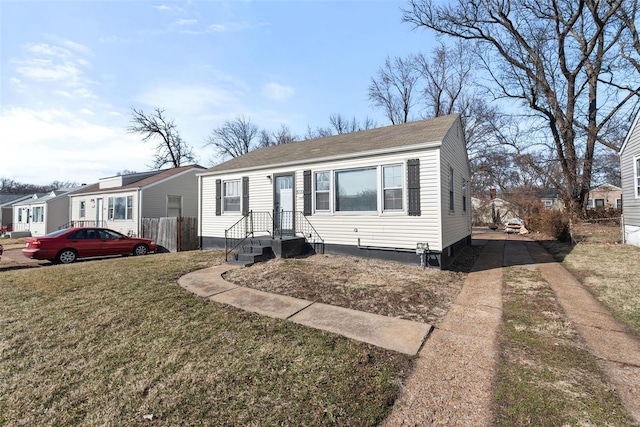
pixel 265 222
pixel 245 227
pixel 307 230
pixel 82 223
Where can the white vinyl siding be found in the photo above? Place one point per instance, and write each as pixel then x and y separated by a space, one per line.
pixel 342 228
pixel 453 155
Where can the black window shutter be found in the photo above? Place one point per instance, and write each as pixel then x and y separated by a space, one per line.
pixel 218 197
pixel 245 195
pixel 413 186
pixel 307 193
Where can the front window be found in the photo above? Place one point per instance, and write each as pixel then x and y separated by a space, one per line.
pixel 120 208
pixel 590 203
pixel 548 204
pixel 38 214
pixel 619 203
pixel 174 206
pixel 19 215
pixel 82 208
pixel 356 190
pixel 322 191
pixel 392 187
pixel 599 203
pixel 232 196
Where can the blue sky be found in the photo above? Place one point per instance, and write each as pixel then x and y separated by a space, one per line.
pixel 71 70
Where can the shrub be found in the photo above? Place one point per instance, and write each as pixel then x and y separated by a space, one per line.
pixel 551 223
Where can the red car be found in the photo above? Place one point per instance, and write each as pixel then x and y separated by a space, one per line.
pixel 67 245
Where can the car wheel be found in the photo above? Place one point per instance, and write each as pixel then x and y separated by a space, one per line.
pixel 66 256
pixel 140 250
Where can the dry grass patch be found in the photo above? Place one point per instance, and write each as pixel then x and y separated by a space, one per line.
pixel 374 286
pixel 12 243
pixel 115 342
pixel 546 376
pixel 609 270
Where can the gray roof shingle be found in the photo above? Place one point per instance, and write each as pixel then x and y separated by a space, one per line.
pixel 407 134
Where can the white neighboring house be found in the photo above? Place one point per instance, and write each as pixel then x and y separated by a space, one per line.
pixel 120 202
pixel 373 193
pixel 43 213
pixel 630 174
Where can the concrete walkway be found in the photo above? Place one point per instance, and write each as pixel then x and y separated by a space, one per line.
pixel 453 377
pixel 403 336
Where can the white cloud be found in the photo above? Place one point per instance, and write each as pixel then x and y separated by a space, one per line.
pixel 161 7
pixel 187 22
pixel 86 111
pixel 45 70
pixel 190 99
pixel 277 92
pixel 59 145
pixel 228 26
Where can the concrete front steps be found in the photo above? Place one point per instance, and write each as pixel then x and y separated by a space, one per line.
pixel 258 249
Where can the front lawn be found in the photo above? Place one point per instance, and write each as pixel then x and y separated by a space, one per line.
pixel 117 342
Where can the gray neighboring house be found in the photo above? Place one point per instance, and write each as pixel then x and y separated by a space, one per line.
pixel 630 173
pixel 376 193
pixel 42 213
pixel 121 202
pixel 6 209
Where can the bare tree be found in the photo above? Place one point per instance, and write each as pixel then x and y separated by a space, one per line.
pixel 394 89
pixel 343 125
pixel 574 65
pixel 234 138
pixel 281 136
pixel 318 132
pixel 170 148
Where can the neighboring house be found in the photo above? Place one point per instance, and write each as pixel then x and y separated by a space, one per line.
pixel 42 213
pixel 490 210
pixel 6 209
pixel 374 193
pixel 550 198
pixel 630 173
pixel 120 202
pixel 605 196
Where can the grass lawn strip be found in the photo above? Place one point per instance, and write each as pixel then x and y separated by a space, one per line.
pixel 546 376
pixel 110 342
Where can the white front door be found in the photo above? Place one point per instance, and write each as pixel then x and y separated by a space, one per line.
pixel 283 203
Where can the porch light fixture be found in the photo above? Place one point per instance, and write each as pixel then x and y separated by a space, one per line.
pixel 93 203
pixel 269 177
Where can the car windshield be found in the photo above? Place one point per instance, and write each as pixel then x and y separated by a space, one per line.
pixel 56 233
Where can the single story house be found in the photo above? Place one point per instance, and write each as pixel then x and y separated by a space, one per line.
pixel 6 209
pixel 490 210
pixel 120 202
pixel 551 199
pixel 374 193
pixel 42 213
pixel 605 196
pixel 630 174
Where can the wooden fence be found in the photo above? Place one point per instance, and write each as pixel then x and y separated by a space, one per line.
pixel 174 234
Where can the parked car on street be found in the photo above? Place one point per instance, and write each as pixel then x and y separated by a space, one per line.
pixel 66 245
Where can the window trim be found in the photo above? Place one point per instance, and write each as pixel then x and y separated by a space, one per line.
pixel 601 205
pixel 329 191
pixel 452 194
pixel 465 198
pixel 402 187
pixel 128 208
pixel 619 203
pixel 181 204
pixel 39 217
pixel 335 191
pixel 636 176
pixel 224 197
